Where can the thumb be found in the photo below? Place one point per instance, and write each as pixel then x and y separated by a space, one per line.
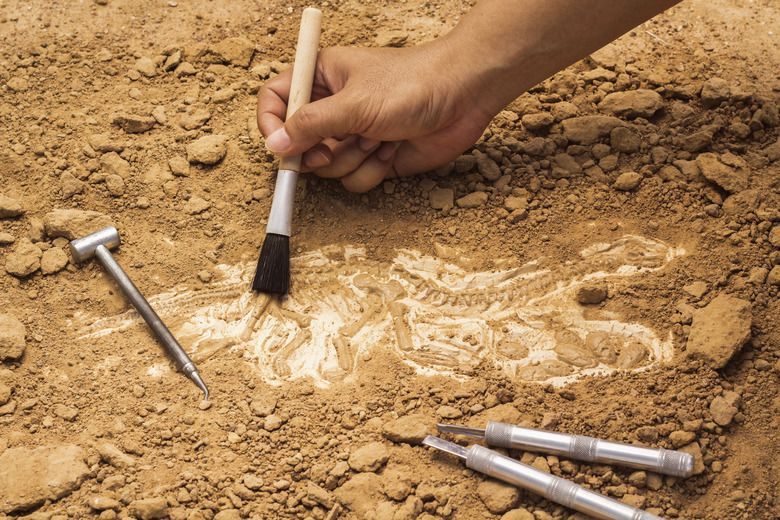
pixel 310 124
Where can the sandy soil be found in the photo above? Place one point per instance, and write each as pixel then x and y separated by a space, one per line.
pixel 614 277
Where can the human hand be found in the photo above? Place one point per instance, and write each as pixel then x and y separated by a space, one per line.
pixel 376 114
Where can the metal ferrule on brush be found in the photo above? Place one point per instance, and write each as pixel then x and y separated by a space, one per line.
pixel 280 218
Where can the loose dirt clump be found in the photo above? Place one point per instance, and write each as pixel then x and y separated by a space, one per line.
pixel 142 116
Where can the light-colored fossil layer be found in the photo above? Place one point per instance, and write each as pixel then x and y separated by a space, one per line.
pixel 432 313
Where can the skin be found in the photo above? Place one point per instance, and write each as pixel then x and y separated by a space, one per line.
pixel 380 113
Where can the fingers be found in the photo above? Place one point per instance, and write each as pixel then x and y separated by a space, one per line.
pixel 346 156
pixel 272 103
pixel 373 170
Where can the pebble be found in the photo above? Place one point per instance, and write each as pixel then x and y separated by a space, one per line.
pixel 518 514
pixel 185 68
pixel 74 223
pixel 263 406
pixel 209 149
pixel 179 166
pixel 101 503
pixel 115 185
pixel 410 429
pixel 538 122
pixel 488 168
pixel 10 207
pixel 713 168
pixel 719 330
pixel 360 493
pixel 449 412
pixel 589 129
pixel 53 260
pixel 223 95
pixel 146 66
pixel 714 92
pixel 369 457
pixel 591 293
pixel 722 411
pixel 133 124
pixel 114 456
pixel 195 117
pixel 627 181
pixel 497 496
pixel 253 482
pixel 625 140
pixel 24 260
pixel 6 239
pixel 196 205
pixel 148 508
pixel 632 104
pixel 237 51
pixel 681 438
pixel 30 477
pixel 113 164
pixel 441 198
pixel 273 422
pixel 70 185
pixel 473 200
pixel 105 143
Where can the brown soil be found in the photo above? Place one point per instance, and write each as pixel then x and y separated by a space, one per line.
pixel 68 69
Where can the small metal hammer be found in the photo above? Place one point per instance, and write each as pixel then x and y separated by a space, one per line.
pixel 98 244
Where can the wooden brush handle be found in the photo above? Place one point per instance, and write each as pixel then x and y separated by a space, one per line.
pixel 303 72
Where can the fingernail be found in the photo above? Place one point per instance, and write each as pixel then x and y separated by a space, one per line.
pixel 366 144
pixel 278 141
pixel 387 151
pixel 316 159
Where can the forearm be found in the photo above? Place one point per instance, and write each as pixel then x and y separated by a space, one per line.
pixel 515 44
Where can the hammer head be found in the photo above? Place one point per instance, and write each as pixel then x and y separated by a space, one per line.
pixel 84 248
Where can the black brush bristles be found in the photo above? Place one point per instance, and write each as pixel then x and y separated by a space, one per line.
pixel 273 267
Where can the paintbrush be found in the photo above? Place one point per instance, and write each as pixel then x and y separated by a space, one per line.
pixel 273 267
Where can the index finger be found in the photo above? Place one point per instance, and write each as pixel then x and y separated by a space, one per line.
pixel 272 102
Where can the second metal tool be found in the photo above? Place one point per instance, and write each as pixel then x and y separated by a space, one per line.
pixel 551 487
pixel 98 244
pixel 580 447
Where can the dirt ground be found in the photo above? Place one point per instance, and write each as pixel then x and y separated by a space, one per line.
pixel 632 199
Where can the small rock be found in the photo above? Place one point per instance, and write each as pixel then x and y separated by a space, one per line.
pixel 722 411
pixel 441 198
pixel 159 115
pixel 591 293
pixel 70 185
pixel 133 124
pixel 237 51
pixel 518 514
pixel 369 458
pixel 360 493
pixel 185 69
pixel 28 478
pixel 114 456
pixel 497 496
pixel 227 514
pixel 449 412
pixel 24 260
pixel 624 140
pixel 473 200
pixel 195 117
pixel 101 503
pixel 588 129
pixel 488 168
pixel 698 461
pixel 113 164
pixel 12 334
pixel 632 103
pixel 209 149
pixel 681 438
pixel 273 422
pixel 627 181
pixel 115 185
pixel 719 330
pixel 648 434
pixel 714 92
pixel 5 394
pixel 196 205
pixel 74 223
pixel 539 122
pixel 105 143
pixel 10 207
pixel 512 203
pixel 179 166
pixel 730 179
pixel 253 482
pixel 53 260
pixel 411 429
pixel 146 67
pixel 6 239
pixel 263 406
pixel 223 95
pixel 148 508
pixel 319 495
